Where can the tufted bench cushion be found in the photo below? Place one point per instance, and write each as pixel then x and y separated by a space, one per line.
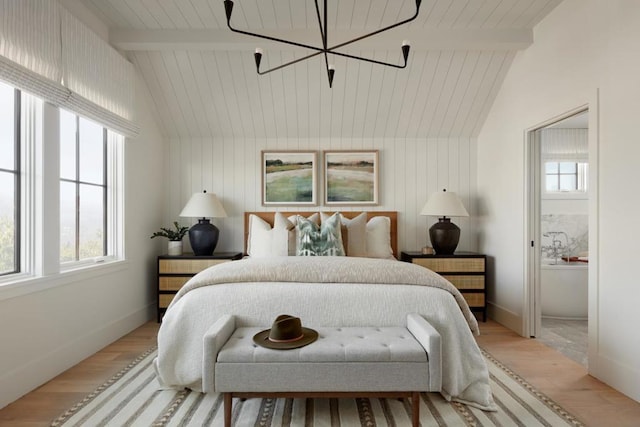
pixel 342 359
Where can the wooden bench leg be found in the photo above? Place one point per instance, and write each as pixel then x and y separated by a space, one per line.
pixel 228 402
pixel 415 408
pixel 415 400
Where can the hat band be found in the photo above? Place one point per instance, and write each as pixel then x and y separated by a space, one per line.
pixel 289 340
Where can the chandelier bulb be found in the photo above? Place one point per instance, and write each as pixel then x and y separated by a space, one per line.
pixel 257 55
pixel 405 50
pixel 228 9
pixel 331 70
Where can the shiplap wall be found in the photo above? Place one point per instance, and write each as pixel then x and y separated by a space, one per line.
pixel 410 171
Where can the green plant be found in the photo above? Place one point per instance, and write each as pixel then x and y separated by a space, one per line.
pixel 174 235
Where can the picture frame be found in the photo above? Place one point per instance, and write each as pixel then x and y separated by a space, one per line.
pixel 289 178
pixel 351 177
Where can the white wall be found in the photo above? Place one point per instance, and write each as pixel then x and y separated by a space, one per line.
pixel 583 46
pixel 410 171
pixel 74 315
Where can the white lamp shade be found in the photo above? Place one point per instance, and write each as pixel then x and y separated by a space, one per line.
pixel 203 205
pixel 444 203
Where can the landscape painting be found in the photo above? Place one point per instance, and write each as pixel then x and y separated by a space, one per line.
pixel 351 177
pixel 289 178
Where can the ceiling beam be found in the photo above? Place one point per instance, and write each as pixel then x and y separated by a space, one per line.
pixel 224 39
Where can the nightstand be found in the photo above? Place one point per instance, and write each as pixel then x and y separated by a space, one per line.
pixel 466 270
pixel 175 271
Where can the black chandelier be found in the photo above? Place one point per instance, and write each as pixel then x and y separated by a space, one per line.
pixel 322 23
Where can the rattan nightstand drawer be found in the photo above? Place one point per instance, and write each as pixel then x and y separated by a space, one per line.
pixel 466 282
pixel 186 266
pixel 165 299
pixel 172 283
pixel 451 265
pixel 474 300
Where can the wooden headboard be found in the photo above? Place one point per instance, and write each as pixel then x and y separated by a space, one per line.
pixel 268 217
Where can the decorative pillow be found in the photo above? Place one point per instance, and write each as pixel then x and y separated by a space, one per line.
pixel 325 240
pixel 264 241
pixel 357 233
pixel 379 237
pixel 293 221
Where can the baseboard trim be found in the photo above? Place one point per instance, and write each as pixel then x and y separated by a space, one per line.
pixel 20 381
pixel 624 378
pixel 506 318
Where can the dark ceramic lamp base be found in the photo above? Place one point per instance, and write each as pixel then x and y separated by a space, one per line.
pixel 203 237
pixel 444 236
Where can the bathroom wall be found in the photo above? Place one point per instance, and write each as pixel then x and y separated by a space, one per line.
pixel 576 226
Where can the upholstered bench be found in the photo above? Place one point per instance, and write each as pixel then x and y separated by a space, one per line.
pixel 343 362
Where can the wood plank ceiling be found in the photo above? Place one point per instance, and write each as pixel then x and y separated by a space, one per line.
pixel 203 82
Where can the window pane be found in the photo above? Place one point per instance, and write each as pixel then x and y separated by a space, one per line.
pixel 552 183
pixel 7 127
pixel 91 221
pixel 67 145
pixel 91 152
pixel 567 167
pixel 568 182
pixel 551 167
pixel 67 221
pixel 7 223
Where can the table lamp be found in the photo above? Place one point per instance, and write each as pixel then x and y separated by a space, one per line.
pixel 203 236
pixel 444 234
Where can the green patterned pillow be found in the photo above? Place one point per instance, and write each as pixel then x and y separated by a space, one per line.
pixel 324 240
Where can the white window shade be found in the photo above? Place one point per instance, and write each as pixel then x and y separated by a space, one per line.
pixel 30 36
pixel 31 82
pixel 565 145
pixel 46 51
pixel 100 79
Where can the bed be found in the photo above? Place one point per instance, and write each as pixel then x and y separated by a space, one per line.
pixel 331 291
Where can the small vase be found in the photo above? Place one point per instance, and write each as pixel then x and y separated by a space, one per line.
pixel 175 247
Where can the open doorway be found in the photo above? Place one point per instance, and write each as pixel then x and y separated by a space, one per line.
pixel 559 232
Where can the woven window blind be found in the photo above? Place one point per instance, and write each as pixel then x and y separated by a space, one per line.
pixel 560 145
pixel 46 51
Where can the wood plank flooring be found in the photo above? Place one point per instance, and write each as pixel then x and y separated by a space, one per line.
pixel 558 377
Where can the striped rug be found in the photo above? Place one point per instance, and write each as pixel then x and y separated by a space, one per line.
pixel 132 398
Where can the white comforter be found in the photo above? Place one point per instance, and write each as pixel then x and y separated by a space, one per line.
pixel 322 291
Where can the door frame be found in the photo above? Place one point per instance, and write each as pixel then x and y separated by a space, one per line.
pixel 532 312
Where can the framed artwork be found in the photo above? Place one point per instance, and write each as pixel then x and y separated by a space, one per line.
pixel 289 178
pixel 351 177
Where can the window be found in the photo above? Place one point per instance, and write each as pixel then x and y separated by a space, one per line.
pixel 566 177
pixel 83 188
pixel 56 169
pixel 9 179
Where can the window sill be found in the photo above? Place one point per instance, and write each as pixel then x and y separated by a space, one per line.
pixel 565 195
pixel 24 285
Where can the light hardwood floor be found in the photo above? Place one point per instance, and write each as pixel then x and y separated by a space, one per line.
pixel 558 377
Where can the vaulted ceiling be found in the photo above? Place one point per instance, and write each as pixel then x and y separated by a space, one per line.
pixel 203 81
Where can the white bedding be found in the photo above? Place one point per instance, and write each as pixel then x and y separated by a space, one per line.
pixel 322 291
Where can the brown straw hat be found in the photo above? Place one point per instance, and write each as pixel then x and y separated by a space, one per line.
pixel 286 333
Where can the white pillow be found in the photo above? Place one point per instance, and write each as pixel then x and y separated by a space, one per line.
pixel 379 237
pixel 266 242
pixel 354 234
pixel 292 223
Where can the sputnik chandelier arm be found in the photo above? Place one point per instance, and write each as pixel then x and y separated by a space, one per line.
pixel 324 50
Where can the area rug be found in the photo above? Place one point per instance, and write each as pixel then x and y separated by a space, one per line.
pixel 132 398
